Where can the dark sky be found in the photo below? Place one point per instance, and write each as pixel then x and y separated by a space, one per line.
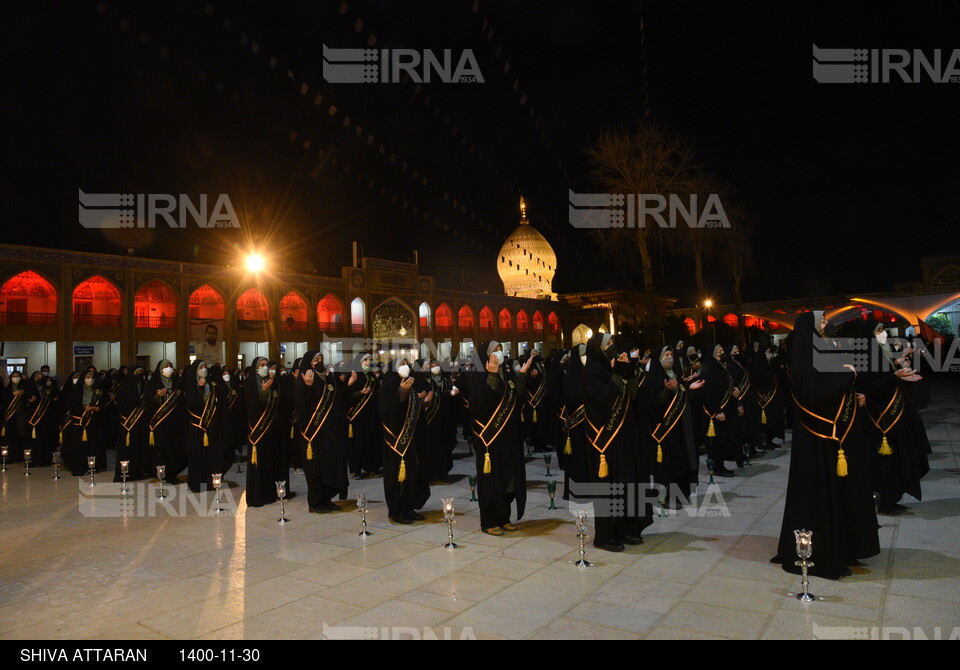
pixel 849 185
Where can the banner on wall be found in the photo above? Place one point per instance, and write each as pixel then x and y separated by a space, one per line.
pixel 206 340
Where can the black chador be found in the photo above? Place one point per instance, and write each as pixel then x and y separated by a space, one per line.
pixel 574 417
pixel 720 408
pixel 495 396
pixel 400 404
pixel 320 404
pixel 826 449
pixel 609 385
pixel 41 423
pixel 363 429
pixel 87 437
pixel 670 426
pixel 206 411
pixel 166 421
pixel 263 433
pixel 133 436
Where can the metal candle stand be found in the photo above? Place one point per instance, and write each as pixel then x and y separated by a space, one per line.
pixel 27 453
pixel 92 465
pixel 161 473
pixel 582 536
pixel 710 469
pixel 282 493
pixel 552 490
pixel 57 458
pixel 804 551
pixel 4 452
pixel 124 471
pixel 547 458
pixel 448 518
pixel 217 481
pixel 473 488
pixel 362 506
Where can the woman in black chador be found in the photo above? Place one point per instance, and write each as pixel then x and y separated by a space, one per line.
pixel 133 437
pixel 895 432
pixel 87 437
pixel 363 418
pixel 720 409
pixel 166 421
pixel 263 433
pixel 826 448
pixel 206 397
pixel 400 403
pixel 574 425
pixel 438 435
pixel 320 404
pixel 496 397
pixel 41 425
pixel 609 386
pixel 671 426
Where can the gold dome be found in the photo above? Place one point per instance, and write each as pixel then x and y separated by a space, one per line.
pixel 527 262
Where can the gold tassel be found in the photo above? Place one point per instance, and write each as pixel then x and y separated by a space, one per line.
pixel 83 438
pixel 206 440
pixel 711 431
pixel 309 451
pixel 522 420
pixel 659 453
pixel 128 438
pixel 350 433
pixel 253 455
pixel 763 416
pixel 534 415
pixel 60 440
pixel 603 467
pixel 34 432
pixel 3 431
pixel 486 463
pixel 885 449
pixel 291 432
pixel 841 463
pixel 568 447
pixel 402 475
pixel 152 442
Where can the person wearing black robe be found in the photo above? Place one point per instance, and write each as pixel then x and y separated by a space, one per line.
pixel 691 366
pixel 41 425
pixel 263 433
pixel 400 404
pixel 133 436
pixel 205 401
pixel 899 449
pixel 671 428
pixel 496 396
pixel 748 412
pixel 720 408
pixel 840 513
pixel 87 437
pixel 574 416
pixel 63 416
pixel 321 401
pixel 166 422
pixel 437 430
pixel 609 387
pixel 234 428
pixel 15 432
pixel 555 369
pixel 111 381
pixel 769 396
pixel 536 410
pixel 288 432
pixel 289 383
pixel 364 431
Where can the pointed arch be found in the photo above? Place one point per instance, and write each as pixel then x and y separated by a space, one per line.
pixel 96 302
pixel 28 299
pixel 293 312
pixel 155 305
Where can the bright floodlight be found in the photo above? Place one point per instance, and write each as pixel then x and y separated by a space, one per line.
pixel 708 303
pixel 254 262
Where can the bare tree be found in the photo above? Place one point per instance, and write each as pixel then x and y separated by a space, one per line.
pixel 645 160
pixel 738 256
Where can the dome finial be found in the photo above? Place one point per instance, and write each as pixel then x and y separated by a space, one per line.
pixel 523 210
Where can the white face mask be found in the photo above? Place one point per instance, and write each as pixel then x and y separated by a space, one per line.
pixel 226 378
pixel 667 363
pixel 15 380
pixel 88 381
pixel 263 372
pixel 273 372
pixel 583 359
pixel 403 371
pixel 435 370
pixel 330 369
pixel 882 337
pixel 635 353
pixel 499 355
pixel 202 372
pixel 167 371
pixel 769 357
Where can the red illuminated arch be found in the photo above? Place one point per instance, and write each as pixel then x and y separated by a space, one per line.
pixel 506 321
pixel 523 323
pixel 554 323
pixel 465 318
pixel 96 302
pixel 27 299
pixel 329 313
pixel 206 303
pixel 293 312
pixel 444 318
pixel 253 306
pixel 155 306
pixel 538 322
pixel 486 320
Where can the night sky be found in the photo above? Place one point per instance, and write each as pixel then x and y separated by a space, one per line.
pixel 849 185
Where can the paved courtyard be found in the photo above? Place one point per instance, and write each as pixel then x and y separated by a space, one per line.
pixel 67 575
